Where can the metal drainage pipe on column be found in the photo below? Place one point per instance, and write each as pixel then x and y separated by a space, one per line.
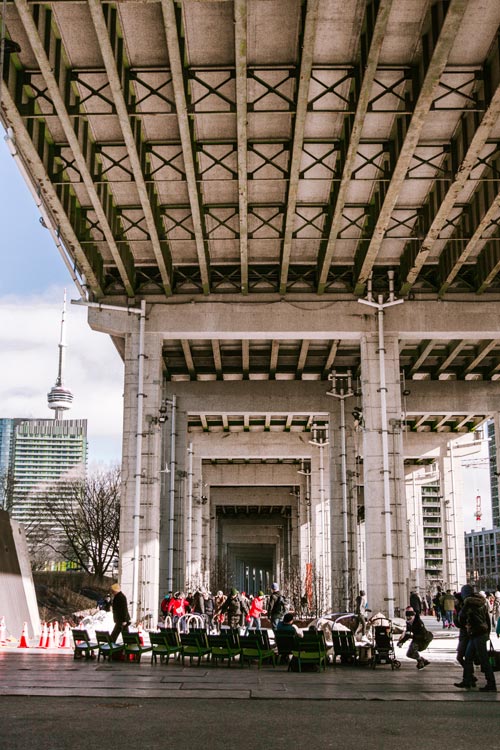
pixel 189 539
pixel 141 312
pixel 171 508
pixel 380 306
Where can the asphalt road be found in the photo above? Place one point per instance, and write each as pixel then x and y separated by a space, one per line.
pixel 70 724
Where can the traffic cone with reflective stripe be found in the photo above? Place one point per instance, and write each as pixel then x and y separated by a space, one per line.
pixel 43 636
pixel 23 641
pixel 66 637
pixel 50 640
pixel 56 634
pixel 46 636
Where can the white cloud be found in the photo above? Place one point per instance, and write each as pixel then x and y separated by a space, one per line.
pixel 29 337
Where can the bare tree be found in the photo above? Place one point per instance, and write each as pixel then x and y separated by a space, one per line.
pixel 7 484
pixel 86 513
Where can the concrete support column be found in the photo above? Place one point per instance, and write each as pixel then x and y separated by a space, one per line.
pixel 181 476
pixel 415 475
pixel 320 524
pixel 450 473
pixel 344 520
pixel 197 563
pixel 149 537
pixel 385 511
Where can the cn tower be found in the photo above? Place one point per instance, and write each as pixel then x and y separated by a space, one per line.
pixel 60 398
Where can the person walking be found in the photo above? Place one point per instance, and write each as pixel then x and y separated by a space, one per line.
pixel 360 609
pixel 219 600
pixel 463 636
pixel 436 603
pixel 232 607
pixel 496 609
pixel 276 606
pixel 121 617
pixel 416 602
pixel 475 618
pixel 420 637
pixel 447 607
pixel 257 609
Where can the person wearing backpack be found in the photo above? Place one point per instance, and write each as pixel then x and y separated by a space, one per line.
pixel 474 617
pixel 276 606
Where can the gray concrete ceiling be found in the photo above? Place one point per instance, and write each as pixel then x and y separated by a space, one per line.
pixel 263 149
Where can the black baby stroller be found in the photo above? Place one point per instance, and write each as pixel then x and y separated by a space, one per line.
pixel 383 645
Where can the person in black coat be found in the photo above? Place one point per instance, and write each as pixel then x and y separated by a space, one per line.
pixel 121 617
pixel 475 619
pixel 420 637
pixel 416 602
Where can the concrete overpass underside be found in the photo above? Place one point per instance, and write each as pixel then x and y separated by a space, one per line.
pixel 263 201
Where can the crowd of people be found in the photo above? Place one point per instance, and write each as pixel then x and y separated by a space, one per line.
pixel 473 614
pixel 236 609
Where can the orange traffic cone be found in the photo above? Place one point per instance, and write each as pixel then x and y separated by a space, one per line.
pixel 50 641
pixel 66 637
pixel 3 630
pixel 23 641
pixel 46 636
pixel 56 634
pixel 43 636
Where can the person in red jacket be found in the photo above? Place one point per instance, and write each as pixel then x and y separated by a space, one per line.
pixel 256 611
pixel 177 607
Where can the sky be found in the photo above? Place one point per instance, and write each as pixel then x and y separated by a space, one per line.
pixel 32 284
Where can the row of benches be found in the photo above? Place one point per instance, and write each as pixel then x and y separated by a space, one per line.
pixel 289 649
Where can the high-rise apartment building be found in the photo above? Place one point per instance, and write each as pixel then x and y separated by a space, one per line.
pixel 482 555
pixel 492 452
pixel 46 455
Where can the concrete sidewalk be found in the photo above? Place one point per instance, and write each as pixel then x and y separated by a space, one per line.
pixel 51 702
pixel 35 672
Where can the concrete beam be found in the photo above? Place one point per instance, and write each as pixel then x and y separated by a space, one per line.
pixel 354 137
pixel 430 83
pixel 176 64
pixel 130 139
pixel 240 46
pixel 309 397
pixel 204 320
pixel 469 161
pixel 298 136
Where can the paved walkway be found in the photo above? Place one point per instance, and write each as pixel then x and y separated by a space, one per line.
pixel 40 673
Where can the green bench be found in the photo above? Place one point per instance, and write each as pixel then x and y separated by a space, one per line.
pixel 83 646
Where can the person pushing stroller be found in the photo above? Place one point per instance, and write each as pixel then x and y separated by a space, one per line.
pixel 420 637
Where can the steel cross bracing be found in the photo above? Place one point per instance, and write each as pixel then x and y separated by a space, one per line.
pixel 148 90
pixel 230 148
